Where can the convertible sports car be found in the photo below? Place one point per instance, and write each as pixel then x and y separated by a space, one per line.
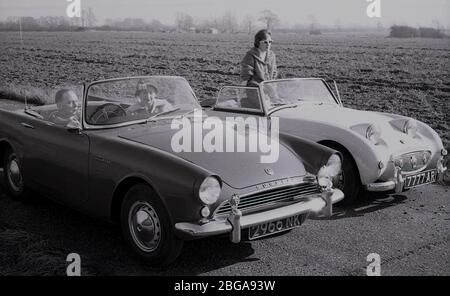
pixel 119 166
pixel 381 151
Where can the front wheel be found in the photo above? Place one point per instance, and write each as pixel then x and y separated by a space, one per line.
pixel 147 228
pixel 348 181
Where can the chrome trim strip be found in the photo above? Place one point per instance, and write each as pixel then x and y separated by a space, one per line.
pixel 382 186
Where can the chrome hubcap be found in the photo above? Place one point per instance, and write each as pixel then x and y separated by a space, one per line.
pixel 144 226
pixel 14 175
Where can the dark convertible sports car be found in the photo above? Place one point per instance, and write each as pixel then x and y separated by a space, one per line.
pixel 119 165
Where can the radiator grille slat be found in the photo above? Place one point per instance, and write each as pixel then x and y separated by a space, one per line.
pixel 278 195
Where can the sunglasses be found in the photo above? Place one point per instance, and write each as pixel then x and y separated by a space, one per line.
pixel 267 41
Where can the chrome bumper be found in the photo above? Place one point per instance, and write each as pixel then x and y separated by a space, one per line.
pixel 323 204
pixel 397 183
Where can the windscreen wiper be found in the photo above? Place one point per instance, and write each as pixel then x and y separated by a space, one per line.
pixel 283 106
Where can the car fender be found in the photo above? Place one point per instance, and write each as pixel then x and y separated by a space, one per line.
pixel 313 155
pixel 174 179
pixel 366 155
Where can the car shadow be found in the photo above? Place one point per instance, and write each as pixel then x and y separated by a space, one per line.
pixel 368 203
pixel 37 235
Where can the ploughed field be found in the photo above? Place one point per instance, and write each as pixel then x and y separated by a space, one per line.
pixel 404 76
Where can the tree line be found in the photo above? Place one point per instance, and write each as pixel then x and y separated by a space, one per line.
pixel 184 22
pixel 411 32
pixel 227 23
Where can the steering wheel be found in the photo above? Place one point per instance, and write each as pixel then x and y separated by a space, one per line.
pixel 105 112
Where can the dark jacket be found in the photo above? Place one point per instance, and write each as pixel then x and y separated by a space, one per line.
pixel 254 70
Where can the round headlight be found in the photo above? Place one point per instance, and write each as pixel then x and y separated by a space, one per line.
pixel 209 191
pixel 410 128
pixel 373 133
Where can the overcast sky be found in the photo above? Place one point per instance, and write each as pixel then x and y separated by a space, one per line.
pixel 411 12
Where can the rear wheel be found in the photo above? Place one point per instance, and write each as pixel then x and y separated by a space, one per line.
pixel 12 175
pixel 147 228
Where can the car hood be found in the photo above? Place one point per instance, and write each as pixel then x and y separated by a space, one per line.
pixel 237 169
pixel 356 120
pixel 333 114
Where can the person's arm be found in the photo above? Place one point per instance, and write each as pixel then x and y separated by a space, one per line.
pixel 247 68
pixel 71 122
pixel 56 119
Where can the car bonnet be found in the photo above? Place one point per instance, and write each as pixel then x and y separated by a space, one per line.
pixel 237 169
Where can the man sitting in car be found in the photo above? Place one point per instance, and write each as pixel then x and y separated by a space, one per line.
pixel 68 113
pixel 148 103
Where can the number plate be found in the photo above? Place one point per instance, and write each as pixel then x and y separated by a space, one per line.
pixel 269 228
pixel 420 179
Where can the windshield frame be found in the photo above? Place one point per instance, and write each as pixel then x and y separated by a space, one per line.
pixel 86 87
pixel 265 100
pixel 263 110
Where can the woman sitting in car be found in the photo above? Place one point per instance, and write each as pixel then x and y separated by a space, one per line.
pixel 147 101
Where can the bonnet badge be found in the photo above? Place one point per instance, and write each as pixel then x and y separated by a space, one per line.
pixel 269 171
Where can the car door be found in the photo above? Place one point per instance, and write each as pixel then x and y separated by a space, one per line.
pixel 56 160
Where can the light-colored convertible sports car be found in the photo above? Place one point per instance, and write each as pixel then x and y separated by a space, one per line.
pixel 119 165
pixel 381 151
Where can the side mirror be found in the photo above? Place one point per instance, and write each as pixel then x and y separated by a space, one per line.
pixel 73 128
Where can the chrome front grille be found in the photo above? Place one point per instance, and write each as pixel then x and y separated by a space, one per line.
pixel 412 162
pixel 267 198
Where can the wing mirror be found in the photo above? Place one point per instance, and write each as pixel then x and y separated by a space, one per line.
pixel 73 128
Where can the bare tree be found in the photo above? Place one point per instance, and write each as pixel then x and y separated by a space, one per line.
pixel 247 23
pixel 90 18
pixel 229 23
pixel 184 21
pixel 338 25
pixel 270 19
pixel 29 23
pixel 314 28
pixel 313 22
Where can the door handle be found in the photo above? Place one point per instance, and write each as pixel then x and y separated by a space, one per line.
pixel 27 125
pixel 101 159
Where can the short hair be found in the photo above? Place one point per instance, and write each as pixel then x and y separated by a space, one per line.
pixel 260 36
pixel 60 94
pixel 146 89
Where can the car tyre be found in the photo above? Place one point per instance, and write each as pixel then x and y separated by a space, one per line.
pixel 349 181
pixel 146 226
pixel 12 176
